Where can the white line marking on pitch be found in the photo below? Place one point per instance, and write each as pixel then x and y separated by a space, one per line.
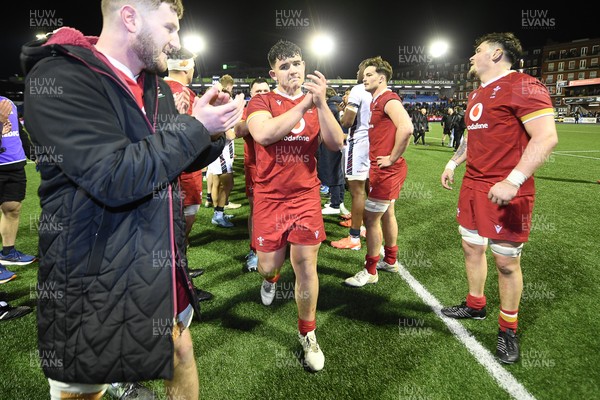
pixel 577 151
pixel 481 354
pixel 585 131
pixel 575 155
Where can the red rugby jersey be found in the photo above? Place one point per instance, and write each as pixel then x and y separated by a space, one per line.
pixel 287 167
pixel 495 117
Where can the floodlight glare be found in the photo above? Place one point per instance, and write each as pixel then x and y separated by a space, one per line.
pixel 322 45
pixel 194 43
pixel 438 48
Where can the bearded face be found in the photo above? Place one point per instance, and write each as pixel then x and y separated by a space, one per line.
pixel 153 56
pixel 472 74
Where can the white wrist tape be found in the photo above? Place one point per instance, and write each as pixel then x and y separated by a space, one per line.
pixel 516 177
pixel 451 165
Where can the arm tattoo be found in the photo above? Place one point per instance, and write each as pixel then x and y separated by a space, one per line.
pixel 462 149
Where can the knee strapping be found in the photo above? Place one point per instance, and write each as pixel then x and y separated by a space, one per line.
pixel 506 251
pixel 376 206
pixel 472 236
pixel 189 211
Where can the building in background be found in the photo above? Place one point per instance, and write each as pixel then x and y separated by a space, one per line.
pixel 570 72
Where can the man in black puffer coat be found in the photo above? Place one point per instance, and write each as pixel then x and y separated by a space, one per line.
pixel 459 126
pixel 421 125
pixel 114 294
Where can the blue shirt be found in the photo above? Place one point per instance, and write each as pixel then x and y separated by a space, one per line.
pixel 11 141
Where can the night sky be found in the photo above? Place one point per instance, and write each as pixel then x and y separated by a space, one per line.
pixel 245 33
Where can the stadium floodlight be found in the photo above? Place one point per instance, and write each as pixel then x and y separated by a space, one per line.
pixel 194 43
pixel 322 45
pixel 438 48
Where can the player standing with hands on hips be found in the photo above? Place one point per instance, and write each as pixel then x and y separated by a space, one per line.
pixel 390 129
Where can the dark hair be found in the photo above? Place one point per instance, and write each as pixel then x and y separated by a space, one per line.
pixel 507 40
pixel 330 92
pixel 257 81
pixel 381 66
pixel 281 50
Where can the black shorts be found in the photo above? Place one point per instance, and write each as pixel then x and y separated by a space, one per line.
pixel 13 185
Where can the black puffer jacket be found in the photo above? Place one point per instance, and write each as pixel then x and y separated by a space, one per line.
pixel 459 121
pixel 111 232
pixel 420 122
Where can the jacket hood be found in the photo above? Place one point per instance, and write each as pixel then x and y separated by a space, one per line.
pixel 72 37
pixel 36 50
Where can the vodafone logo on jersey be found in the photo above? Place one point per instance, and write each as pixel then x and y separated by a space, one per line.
pixel 298 128
pixel 474 114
